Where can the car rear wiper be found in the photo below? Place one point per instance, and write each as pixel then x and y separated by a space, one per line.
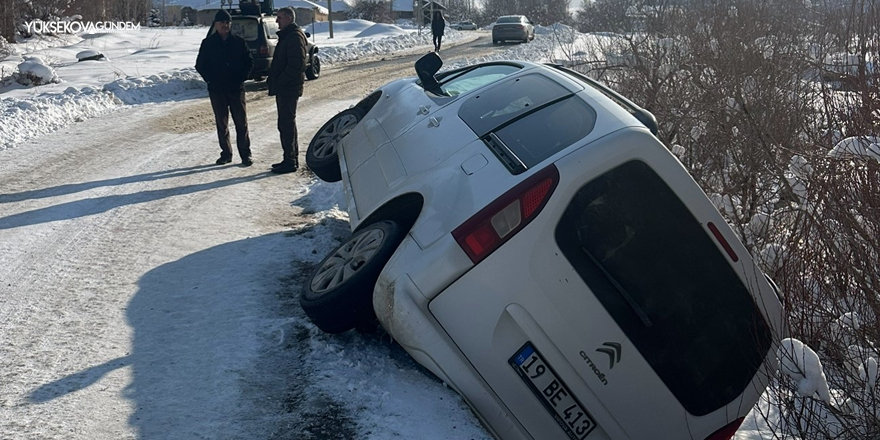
pixel 623 293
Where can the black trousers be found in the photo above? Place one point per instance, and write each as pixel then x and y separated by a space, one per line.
pixel 286 105
pixel 437 41
pixel 224 103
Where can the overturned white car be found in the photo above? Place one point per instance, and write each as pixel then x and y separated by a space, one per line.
pixel 522 234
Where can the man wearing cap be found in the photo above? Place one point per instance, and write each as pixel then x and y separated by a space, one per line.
pixel 225 62
pixel 286 78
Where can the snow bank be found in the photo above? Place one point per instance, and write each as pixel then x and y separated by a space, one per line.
pixel 802 364
pixel 381 29
pixel 35 72
pixel 857 146
pixel 21 120
pixel 159 87
pixel 25 119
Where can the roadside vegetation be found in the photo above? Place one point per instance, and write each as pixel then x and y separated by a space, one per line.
pixel 773 108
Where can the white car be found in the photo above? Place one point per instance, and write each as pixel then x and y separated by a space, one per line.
pixel 464 26
pixel 520 232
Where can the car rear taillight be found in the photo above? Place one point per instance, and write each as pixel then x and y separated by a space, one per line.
pixel 488 229
pixel 264 50
pixel 727 432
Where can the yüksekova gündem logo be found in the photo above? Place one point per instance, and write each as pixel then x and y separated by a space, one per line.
pixel 77 27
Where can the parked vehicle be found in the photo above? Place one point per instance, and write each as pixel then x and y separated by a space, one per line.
pixel 513 27
pixel 260 33
pixel 464 26
pixel 522 234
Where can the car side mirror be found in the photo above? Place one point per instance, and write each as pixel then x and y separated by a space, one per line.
pixel 426 67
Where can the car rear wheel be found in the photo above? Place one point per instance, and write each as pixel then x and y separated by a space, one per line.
pixel 321 155
pixel 339 294
pixel 314 70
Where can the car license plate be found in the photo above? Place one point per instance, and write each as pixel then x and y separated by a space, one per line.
pixel 552 392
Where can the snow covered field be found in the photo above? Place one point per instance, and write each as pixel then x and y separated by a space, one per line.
pixel 143 72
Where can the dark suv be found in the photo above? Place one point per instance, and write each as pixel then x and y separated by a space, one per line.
pixel 260 33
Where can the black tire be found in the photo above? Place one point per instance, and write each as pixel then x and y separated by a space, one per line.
pixel 314 70
pixel 337 300
pixel 321 154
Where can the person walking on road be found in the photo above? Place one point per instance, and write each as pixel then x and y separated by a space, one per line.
pixel 438 26
pixel 286 77
pixel 225 62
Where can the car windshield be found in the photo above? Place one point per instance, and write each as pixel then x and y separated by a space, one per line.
pixel 504 20
pixel 463 82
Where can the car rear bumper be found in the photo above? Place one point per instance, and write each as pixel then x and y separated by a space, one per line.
pixel 402 310
pixel 261 67
pixel 509 35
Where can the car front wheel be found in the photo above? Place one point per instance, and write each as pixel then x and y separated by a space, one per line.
pixel 339 294
pixel 314 69
pixel 321 155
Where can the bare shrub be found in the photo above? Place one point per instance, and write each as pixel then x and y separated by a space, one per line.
pixel 751 96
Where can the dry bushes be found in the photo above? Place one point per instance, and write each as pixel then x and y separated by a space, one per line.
pixel 744 98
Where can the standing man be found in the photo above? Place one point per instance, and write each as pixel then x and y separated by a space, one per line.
pixel 286 78
pixel 438 25
pixel 225 62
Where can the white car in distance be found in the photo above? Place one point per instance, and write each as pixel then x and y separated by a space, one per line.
pixel 521 233
pixel 464 26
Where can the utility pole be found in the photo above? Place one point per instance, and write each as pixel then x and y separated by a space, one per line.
pixel 164 22
pixel 329 17
pixel 419 17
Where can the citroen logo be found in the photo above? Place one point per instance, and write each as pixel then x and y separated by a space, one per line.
pixel 613 352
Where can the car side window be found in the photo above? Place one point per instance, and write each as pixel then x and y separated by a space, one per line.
pixel 271 29
pixel 458 84
pixel 507 100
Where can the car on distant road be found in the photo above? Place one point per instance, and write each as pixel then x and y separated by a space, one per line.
pixel 513 27
pixel 260 33
pixel 520 231
pixel 464 26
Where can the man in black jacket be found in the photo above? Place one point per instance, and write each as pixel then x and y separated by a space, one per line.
pixel 286 77
pixel 225 62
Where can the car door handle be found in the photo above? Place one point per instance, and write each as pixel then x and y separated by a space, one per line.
pixel 435 121
pixel 423 110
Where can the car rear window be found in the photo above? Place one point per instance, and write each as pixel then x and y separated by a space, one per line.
pixel 246 28
pixel 662 278
pixel 505 20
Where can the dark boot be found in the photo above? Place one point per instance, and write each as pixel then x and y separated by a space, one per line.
pixel 285 167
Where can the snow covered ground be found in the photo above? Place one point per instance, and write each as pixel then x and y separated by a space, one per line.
pixel 155 66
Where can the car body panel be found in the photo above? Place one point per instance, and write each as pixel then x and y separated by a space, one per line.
pixel 491 329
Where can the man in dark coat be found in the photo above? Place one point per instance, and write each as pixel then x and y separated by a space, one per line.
pixel 225 62
pixel 438 26
pixel 286 77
